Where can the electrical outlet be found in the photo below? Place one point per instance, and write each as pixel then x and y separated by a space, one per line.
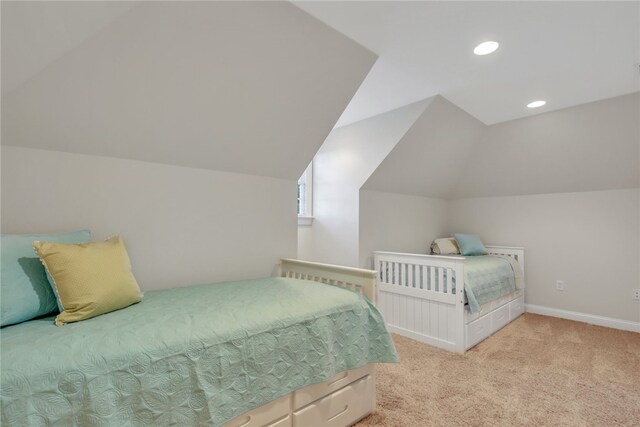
pixel 636 294
pixel 559 285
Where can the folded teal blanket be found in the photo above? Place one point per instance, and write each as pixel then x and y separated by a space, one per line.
pixel 487 278
pixel 198 355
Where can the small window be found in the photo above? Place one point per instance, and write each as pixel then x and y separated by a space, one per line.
pixel 305 189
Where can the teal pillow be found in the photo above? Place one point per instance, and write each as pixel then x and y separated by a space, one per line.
pixel 470 244
pixel 25 292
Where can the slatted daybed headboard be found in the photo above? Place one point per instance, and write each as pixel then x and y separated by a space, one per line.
pixel 357 279
pixel 516 252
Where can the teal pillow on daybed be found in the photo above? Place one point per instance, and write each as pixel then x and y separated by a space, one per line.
pixel 470 244
pixel 25 292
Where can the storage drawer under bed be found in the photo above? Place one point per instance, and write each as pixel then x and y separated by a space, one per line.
pixel 273 414
pixel 339 401
pixel 308 394
pixel 341 408
pixel 486 325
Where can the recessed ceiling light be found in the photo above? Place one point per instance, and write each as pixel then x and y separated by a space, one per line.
pixel 536 104
pixel 486 48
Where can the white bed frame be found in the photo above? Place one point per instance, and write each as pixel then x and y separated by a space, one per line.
pixel 413 305
pixel 342 400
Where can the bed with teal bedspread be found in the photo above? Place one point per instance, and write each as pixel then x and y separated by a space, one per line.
pixel 198 355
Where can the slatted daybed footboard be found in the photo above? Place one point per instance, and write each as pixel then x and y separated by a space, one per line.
pixel 356 279
pixel 343 399
pixel 418 297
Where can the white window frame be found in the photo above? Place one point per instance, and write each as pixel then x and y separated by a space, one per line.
pixel 306 216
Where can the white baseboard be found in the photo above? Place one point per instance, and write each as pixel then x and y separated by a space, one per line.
pixel 609 322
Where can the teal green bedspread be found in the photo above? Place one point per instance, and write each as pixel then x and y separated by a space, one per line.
pixel 188 356
pixel 487 278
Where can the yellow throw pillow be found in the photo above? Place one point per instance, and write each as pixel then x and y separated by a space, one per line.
pixel 89 279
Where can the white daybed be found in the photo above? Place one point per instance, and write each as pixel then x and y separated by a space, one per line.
pixel 132 367
pixel 413 307
pixel 340 401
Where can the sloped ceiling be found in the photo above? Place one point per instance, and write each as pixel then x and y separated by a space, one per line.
pixel 595 146
pixel 352 153
pixel 249 87
pixel 427 160
pixel 36 33
pixel 566 52
pixel 449 154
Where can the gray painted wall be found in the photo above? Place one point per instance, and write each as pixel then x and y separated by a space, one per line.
pixel 182 226
pixel 399 223
pixel 588 239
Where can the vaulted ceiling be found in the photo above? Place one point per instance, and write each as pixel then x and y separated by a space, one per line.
pixel 248 87
pixel 589 147
pixel 428 159
pixel 256 87
pixel 567 53
pixel 34 34
pixel 448 154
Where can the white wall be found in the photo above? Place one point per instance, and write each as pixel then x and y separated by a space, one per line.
pixel 305 243
pixel 345 161
pixel 589 240
pixel 182 226
pixel 399 223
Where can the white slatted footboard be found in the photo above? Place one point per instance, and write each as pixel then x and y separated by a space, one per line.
pixel 357 279
pixel 416 297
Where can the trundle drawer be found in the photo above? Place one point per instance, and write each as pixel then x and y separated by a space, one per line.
pixel 516 307
pixel 500 317
pixel 341 408
pixel 309 394
pixel 477 330
pixel 273 414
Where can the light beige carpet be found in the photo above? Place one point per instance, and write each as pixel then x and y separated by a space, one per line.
pixel 537 371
